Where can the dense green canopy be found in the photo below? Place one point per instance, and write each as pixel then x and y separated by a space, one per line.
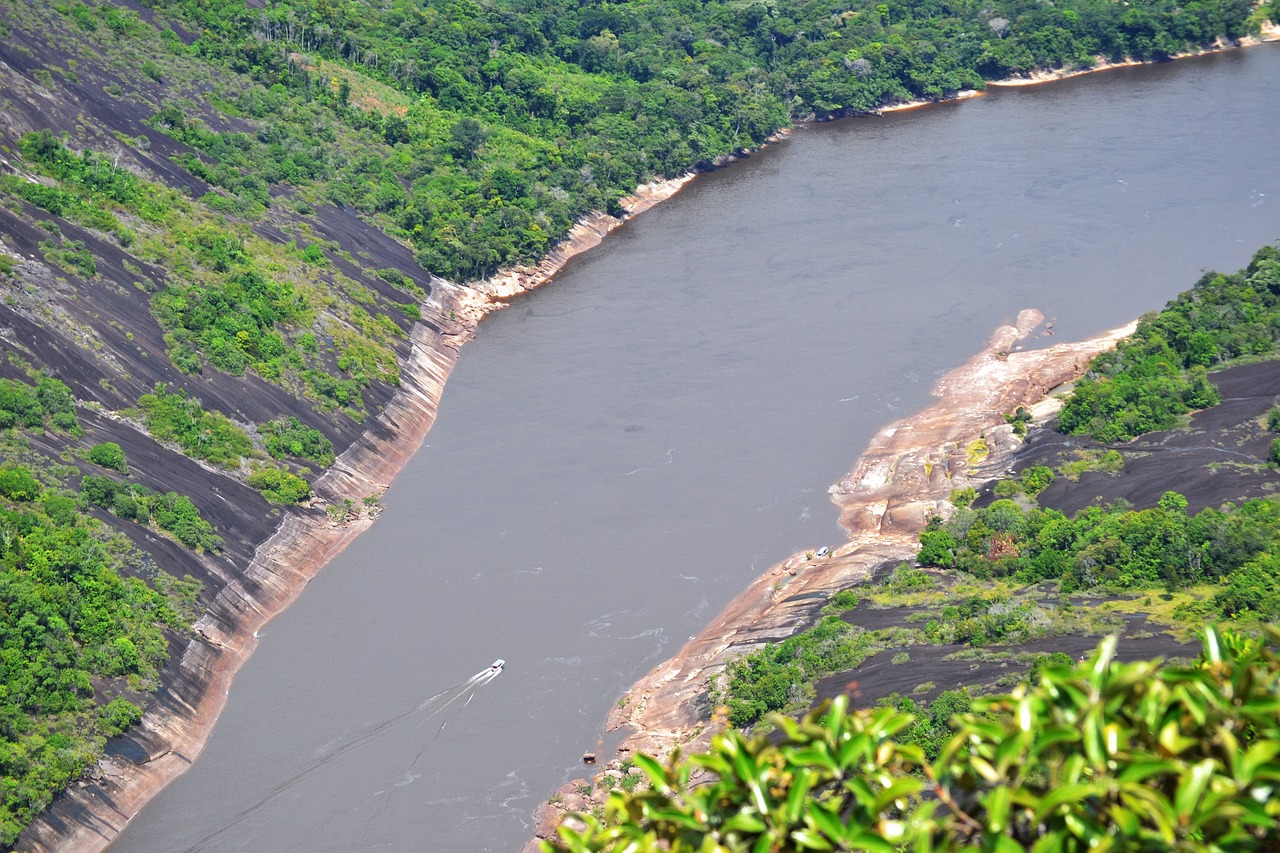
pixel 507 120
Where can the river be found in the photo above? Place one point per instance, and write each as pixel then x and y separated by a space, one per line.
pixel 619 453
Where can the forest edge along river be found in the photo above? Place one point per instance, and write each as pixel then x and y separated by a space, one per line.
pixel 479 556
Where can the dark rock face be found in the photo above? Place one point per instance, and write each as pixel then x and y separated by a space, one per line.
pixel 1220 456
pixel 97 333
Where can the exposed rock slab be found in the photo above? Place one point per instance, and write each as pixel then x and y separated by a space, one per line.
pixel 905 476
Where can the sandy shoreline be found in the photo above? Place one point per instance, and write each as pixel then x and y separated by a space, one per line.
pixel 1270 33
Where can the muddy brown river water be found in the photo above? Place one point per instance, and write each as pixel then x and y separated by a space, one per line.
pixel 619 453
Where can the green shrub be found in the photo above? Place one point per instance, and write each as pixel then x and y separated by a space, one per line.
pixel 109 455
pixel 18 484
pixel 1273 419
pixel 843 601
pixel 73 256
pixel 288 436
pixel 20 406
pixel 280 486
pixel 118 715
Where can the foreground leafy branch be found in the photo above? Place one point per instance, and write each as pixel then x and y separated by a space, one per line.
pixel 1101 755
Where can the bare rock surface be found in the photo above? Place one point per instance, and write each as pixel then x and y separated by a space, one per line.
pixel 906 475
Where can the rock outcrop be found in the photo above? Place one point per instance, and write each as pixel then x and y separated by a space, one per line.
pixel 905 476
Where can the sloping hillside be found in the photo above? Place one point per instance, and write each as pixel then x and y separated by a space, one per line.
pixel 125 279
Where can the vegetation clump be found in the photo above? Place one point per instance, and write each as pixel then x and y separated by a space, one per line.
pixel 108 455
pixel 1084 460
pixel 76 635
pixel 170 511
pixel 211 436
pixel 287 436
pixel 1159 373
pixel 280 486
pixel 176 417
pixel 1094 755
pixel 779 676
pixel 1118 547
pixel 47 404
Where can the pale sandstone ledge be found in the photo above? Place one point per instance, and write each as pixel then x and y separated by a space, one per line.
pixel 905 476
pixel 1270 33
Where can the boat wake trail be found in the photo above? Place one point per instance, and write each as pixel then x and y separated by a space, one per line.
pixel 428 709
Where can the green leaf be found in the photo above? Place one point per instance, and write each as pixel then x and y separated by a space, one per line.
pixel 651 768
pixel 1060 796
pixel 997 802
pixel 1191 788
pixel 1140 771
pixel 1256 756
pixel 810 840
pixel 825 821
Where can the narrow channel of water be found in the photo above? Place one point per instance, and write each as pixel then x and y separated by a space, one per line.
pixel 618 454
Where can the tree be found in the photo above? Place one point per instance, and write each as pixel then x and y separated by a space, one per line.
pixel 937 547
pixel 1173 502
pixel 109 455
pixel 466 137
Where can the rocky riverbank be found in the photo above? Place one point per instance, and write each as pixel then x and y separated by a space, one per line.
pixel 174 732
pixel 906 475
pixel 195 687
pixel 175 728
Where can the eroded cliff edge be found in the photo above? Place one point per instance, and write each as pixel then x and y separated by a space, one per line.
pixel 906 475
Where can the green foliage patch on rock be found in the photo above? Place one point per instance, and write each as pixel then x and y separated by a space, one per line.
pixel 287 436
pixel 170 511
pixel 175 416
pixel 75 634
pixel 1159 373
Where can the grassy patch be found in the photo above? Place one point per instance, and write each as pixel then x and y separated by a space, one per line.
pixel 1085 460
pixel 977 451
